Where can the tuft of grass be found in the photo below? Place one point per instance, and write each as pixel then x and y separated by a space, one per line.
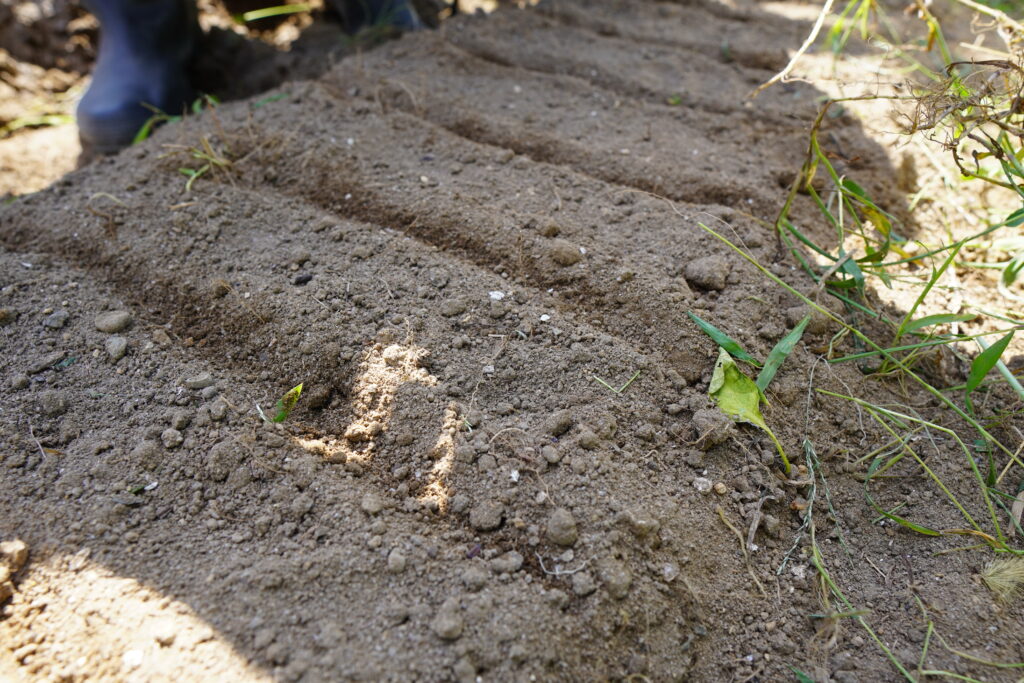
pixel 1005 577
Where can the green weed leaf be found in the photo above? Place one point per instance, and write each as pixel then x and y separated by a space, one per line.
pixel 724 340
pixel 286 403
pixel 938 319
pixel 985 361
pixel 737 396
pixel 779 354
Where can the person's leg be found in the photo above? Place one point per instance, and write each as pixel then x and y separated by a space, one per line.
pixel 358 14
pixel 145 47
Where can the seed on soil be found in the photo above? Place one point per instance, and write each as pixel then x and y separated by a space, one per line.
pixel 117 347
pixel 112 322
pixel 486 515
pixel 561 528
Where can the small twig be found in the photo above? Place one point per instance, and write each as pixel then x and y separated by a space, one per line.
pixel 42 450
pixel 800 53
pixel 743 547
pixel 559 572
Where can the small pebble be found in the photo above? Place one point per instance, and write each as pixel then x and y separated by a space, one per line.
pixel 508 563
pixel 616 578
pixel 112 322
pixel 372 504
pixel 475 577
pixel 721 489
pixel 53 403
pixel 702 484
pixel 558 423
pixel 117 347
pixel 200 381
pixel 561 528
pixel 19 381
pixel 56 320
pixel 564 253
pixel 171 438
pixel 583 584
pixel 396 561
pixel 447 625
pixel 486 515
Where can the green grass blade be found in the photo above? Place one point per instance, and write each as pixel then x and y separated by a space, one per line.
pixel 724 340
pixel 938 319
pixel 779 354
pixel 985 361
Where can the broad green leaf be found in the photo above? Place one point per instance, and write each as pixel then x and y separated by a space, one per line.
pixel 938 319
pixel 985 361
pixel 779 354
pixel 286 403
pixel 724 340
pixel 737 396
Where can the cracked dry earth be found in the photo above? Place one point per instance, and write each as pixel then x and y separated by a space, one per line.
pixel 448 240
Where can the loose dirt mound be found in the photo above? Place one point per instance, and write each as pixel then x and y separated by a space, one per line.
pixel 449 240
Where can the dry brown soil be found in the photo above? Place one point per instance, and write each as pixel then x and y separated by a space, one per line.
pixel 448 240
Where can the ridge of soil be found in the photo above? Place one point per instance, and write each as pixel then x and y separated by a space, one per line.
pixel 449 240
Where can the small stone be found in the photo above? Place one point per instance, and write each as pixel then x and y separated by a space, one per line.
pixel 218 410
pixel 147 454
pixel 19 381
pixel 396 561
pixel 561 528
pixel 46 362
pixel 6 316
pixel 372 504
pixel 171 438
pixel 486 515
pixel 588 439
pixel 179 419
pixel 551 454
pixel 721 489
pixel 616 578
pixel 112 322
pixel 117 347
pixel 200 381
pixel 208 392
pixel 53 403
pixel 56 320
pixel 447 625
pixel 564 253
pixel 558 423
pixel 301 505
pixel 713 427
pixel 709 272
pixel 583 584
pixel 13 554
pixel 475 577
pixel 508 563
pixel 302 279
pixel 464 671
pixel 702 484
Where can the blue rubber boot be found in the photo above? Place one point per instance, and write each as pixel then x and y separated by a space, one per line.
pixel 359 14
pixel 145 48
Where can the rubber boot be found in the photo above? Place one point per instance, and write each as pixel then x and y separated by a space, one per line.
pixel 360 14
pixel 145 47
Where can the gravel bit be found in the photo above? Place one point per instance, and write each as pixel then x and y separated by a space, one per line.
pixel 171 438
pixel 561 529
pixel 117 347
pixel 396 561
pixel 372 504
pixel 558 423
pixel 56 320
pixel 112 322
pixel 583 584
pixel 200 381
pixel 486 515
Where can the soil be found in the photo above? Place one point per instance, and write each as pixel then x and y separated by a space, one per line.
pixel 504 464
